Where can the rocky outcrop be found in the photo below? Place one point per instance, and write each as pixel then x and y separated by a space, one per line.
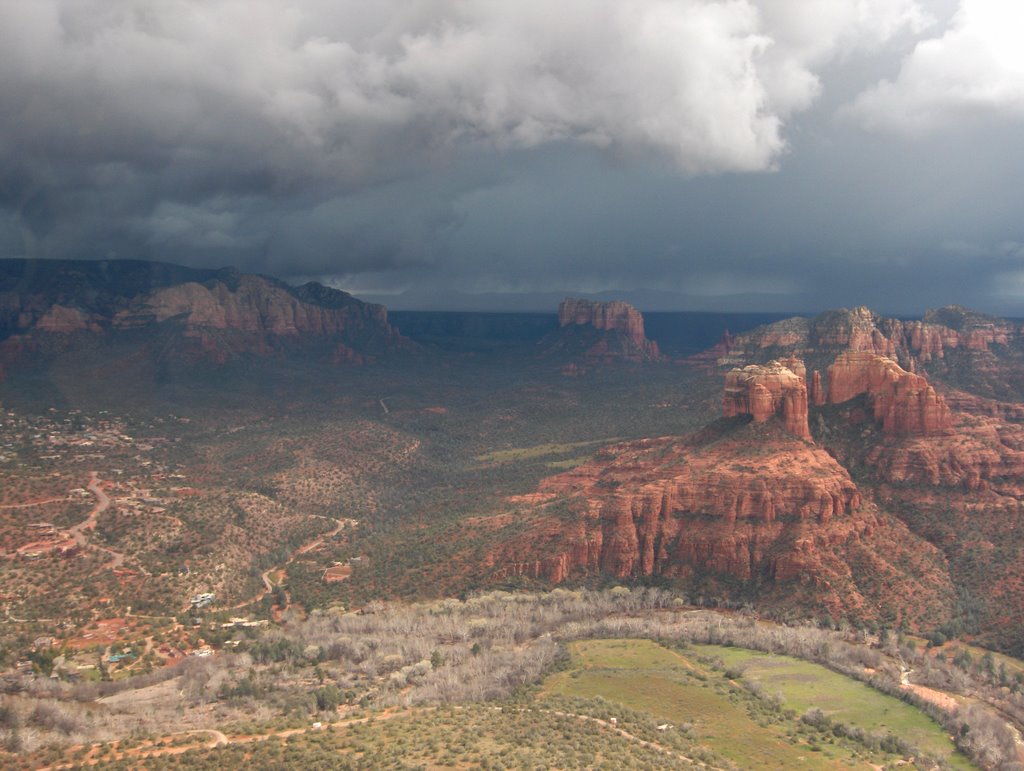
pixel 931 339
pixel 904 403
pixel 62 320
pixel 756 506
pixel 667 507
pixel 603 315
pixel 856 329
pixel 764 391
pixel 816 395
pixel 605 331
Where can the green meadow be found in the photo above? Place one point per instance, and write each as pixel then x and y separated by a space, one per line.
pixel 721 713
pixel 805 685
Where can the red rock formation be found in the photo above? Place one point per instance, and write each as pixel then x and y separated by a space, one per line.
pixel 61 319
pixel 817 393
pixel 983 452
pixel 763 391
pixel 856 330
pixel 663 507
pixel 756 504
pixel 903 402
pixel 216 319
pixel 254 306
pixel 961 401
pixel 929 341
pixel 603 315
pixel 859 329
pixel 618 318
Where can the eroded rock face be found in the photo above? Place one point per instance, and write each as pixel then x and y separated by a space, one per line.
pixel 817 392
pixel 856 329
pixel 904 403
pixel 764 391
pixel 603 315
pixel 215 314
pixel 621 323
pixel 254 306
pixel 665 507
pixel 859 329
pixel 982 453
pixel 756 505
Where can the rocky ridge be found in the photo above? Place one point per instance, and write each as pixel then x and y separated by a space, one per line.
pixel 215 314
pixel 954 347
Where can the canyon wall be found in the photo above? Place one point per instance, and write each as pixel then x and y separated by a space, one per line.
pixel 904 403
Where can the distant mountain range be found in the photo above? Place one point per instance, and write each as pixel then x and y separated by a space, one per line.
pixel 181 314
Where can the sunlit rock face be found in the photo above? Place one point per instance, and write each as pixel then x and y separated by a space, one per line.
pixel 622 324
pixel 904 403
pixel 764 391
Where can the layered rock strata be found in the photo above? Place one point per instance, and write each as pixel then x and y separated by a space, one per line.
pixel 610 331
pixel 764 391
pixel 904 403
pixel 663 507
pixel 755 505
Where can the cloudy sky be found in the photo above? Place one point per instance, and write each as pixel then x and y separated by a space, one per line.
pixel 701 154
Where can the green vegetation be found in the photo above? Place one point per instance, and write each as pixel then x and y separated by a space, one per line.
pixel 805 685
pixel 734 717
pixel 587 655
pixel 477 736
pixel 538 451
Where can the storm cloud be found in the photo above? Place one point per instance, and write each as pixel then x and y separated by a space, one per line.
pixel 729 153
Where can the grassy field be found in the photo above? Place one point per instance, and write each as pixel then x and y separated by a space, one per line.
pixel 538 451
pixel 726 718
pixel 804 685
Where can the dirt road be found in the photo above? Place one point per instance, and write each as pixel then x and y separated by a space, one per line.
pixel 268 585
pixel 102 504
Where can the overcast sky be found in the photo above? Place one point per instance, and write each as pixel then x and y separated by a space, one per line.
pixel 701 154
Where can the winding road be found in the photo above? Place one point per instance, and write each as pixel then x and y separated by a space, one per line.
pixel 268 585
pixel 102 504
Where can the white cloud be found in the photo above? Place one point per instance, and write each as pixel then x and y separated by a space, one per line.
pixel 974 69
pixel 351 90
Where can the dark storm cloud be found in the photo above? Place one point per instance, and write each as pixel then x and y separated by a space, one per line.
pixel 720 150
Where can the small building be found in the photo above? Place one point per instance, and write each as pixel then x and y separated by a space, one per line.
pixel 337 573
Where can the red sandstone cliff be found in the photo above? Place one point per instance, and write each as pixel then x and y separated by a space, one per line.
pixel 904 403
pixel 756 505
pixel 816 394
pixel 961 490
pixel 764 391
pixel 603 315
pixel 615 330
